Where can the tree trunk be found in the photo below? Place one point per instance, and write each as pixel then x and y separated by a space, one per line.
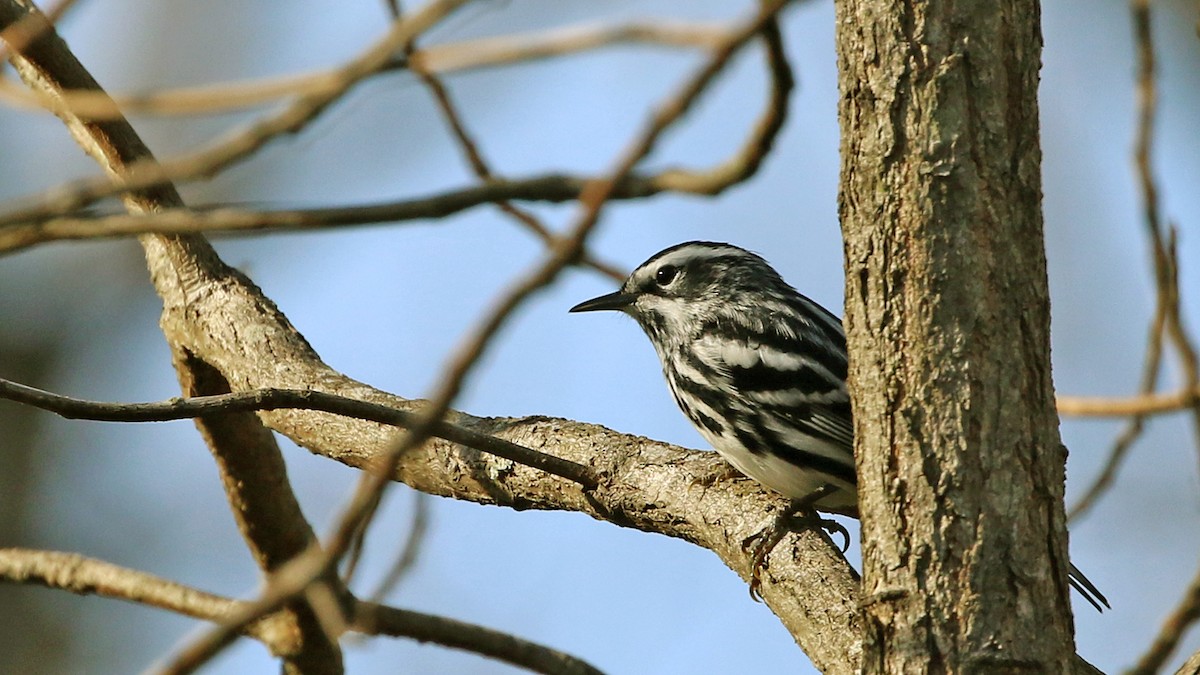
pixel 948 322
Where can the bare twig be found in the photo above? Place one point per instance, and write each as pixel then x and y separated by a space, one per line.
pixel 1169 636
pixel 1167 320
pixel 520 48
pixel 1141 405
pixel 479 166
pixel 286 583
pixel 1133 427
pixel 1167 277
pixel 381 620
pixel 594 196
pixel 549 188
pixel 276 399
pixel 1166 260
pixel 147 173
pixel 442 59
pixel 411 550
pixel 745 162
pixel 357 514
pixel 88 576
pixel 38 224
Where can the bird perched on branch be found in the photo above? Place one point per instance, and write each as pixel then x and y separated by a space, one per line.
pixel 760 370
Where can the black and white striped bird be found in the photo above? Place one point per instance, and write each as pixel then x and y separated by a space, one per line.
pixel 759 369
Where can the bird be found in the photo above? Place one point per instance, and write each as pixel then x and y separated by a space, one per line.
pixel 760 370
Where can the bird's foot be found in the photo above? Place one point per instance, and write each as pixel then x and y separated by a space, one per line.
pixel 791 520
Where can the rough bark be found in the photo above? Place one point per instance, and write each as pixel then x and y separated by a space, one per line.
pixel 252 468
pixel 947 313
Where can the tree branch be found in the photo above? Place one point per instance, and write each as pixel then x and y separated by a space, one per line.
pixel 276 399
pixel 139 171
pixel 218 316
pixel 88 576
pixel 439 58
pixel 251 466
pixel 1141 405
pixel 33 228
pixel 375 619
pixel 1171 633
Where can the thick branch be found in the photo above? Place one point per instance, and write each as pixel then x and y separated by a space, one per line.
pixel 252 468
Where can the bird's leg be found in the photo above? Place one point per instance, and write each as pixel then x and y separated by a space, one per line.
pixel 799 515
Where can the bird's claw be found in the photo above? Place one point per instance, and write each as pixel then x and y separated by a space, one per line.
pixel 762 543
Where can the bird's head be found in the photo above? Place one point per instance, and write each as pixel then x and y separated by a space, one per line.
pixel 681 289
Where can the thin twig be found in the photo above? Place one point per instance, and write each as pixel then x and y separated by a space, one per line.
pixel 1166 266
pixel 277 399
pixel 1167 320
pixel 147 173
pixel 411 550
pixel 88 576
pixel 479 166
pixel 595 195
pixel 282 586
pixel 1137 420
pixel 554 188
pixel 562 41
pixel 1166 260
pixel 1171 633
pixel 381 620
pixel 1140 405
pixel 38 224
pixel 448 58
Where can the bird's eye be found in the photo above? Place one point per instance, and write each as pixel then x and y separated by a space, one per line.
pixel 665 274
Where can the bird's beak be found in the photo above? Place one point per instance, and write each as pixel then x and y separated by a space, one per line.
pixel 616 300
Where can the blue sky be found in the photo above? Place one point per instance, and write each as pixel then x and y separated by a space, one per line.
pixel 387 304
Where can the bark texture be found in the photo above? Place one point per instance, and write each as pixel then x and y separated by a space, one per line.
pixel 948 318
